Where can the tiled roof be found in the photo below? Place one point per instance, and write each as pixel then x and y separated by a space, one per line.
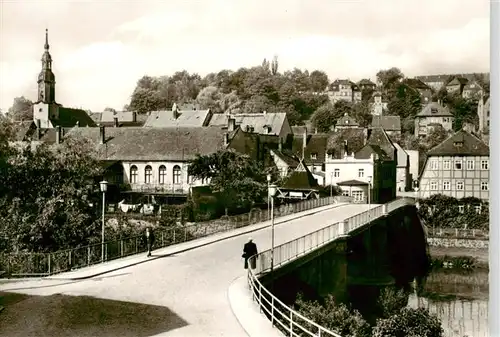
pixel 315 143
pixel 299 129
pixel 301 179
pixel 388 123
pixel 185 118
pixel 259 121
pixel 415 83
pixel 352 182
pixel 68 117
pixel 355 141
pixel 347 120
pixel 461 143
pixel 149 144
pixel 441 111
pixel 473 86
pixel 123 116
pixel 378 143
pixel 458 81
pixel 291 160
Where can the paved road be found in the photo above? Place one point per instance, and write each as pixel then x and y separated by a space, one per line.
pixel 190 288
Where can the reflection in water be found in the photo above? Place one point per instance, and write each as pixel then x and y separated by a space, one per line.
pixel 459 299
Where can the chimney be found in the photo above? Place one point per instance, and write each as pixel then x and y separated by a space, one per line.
pixel 304 143
pixel 58 134
pixel 115 122
pixel 38 129
pixel 231 124
pixel 226 139
pixel 102 134
pixel 346 148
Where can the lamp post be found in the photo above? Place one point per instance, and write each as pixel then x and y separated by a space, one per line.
pixel 369 198
pixel 331 184
pixel 268 206
pixel 104 187
pixel 272 191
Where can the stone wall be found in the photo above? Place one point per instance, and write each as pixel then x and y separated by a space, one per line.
pixel 458 243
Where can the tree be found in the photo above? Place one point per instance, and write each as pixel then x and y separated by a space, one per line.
pixel 318 81
pixel 146 100
pixel 109 109
pixel 274 65
pixel 21 109
pixel 361 112
pixel 324 118
pixel 236 179
pixel 409 322
pixel 53 215
pixel 389 78
pixel 435 137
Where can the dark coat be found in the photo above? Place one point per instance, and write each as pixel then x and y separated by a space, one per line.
pixel 151 239
pixel 249 249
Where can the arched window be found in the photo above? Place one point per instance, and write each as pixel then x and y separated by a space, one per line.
pixel 133 174
pixel 148 174
pixel 162 174
pixel 177 174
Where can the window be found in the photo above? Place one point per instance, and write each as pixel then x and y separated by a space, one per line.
pixel 446 185
pixel 361 173
pixel 336 172
pixel 485 165
pixel 345 193
pixel 133 174
pixel 434 185
pixel 162 174
pixel 484 186
pixel 148 174
pixel 446 165
pixel 177 174
pixel 434 165
pixel 314 156
pixel 477 208
pixel 461 208
pixel 458 164
pixel 358 196
pixel 460 185
pixel 470 165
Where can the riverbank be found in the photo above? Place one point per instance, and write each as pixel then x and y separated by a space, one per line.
pixel 480 255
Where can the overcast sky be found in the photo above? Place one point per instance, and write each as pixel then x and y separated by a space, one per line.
pixel 101 48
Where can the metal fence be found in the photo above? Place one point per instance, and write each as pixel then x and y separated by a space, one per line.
pixel 440 232
pixel 285 318
pixel 45 264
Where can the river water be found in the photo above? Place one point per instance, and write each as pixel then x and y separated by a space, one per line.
pixel 459 299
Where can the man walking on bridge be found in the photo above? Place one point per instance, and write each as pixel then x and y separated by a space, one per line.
pixel 249 249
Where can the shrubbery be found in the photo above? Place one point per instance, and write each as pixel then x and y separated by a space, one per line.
pixel 394 318
pixel 443 211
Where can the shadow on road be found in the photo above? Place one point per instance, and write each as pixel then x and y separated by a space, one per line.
pixel 62 315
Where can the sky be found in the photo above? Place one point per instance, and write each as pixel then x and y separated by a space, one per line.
pixel 101 48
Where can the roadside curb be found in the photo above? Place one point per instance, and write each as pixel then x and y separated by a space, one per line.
pixel 201 244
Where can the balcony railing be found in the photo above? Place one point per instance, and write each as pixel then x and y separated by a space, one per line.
pixel 180 188
pixel 290 322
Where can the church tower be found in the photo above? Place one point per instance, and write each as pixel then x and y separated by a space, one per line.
pixel 46 110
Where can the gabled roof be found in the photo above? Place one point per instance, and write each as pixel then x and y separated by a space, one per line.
pixel 440 111
pixel 378 143
pixel 150 144
pixel 347 121
pixel 259 121
pixel 388 123
pixel 458 81
pixel 299 129
pixel 402 155
pixel 123 116
pixel 315 143
pixel 185 118
pixel 352 182
pixel 473 86
pixel 461 143
pixel 416 83
pixel 68 117
pixel 355 137
pixel 301 179
pixel 291 160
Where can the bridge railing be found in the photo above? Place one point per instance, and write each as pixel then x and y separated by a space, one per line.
pixel 45 264
pixel 289 321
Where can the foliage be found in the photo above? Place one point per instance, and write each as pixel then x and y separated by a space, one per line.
pixel 404 101
pixel 334 316
pixel 442 211
pixel 391 301
pixel 21 109
pixel 236 179
pixel 45 196
pixel 389 78
pixel 464 110
pixel 409 323
pixel 324 118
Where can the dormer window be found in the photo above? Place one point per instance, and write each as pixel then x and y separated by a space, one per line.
pixel 434 110
pixel 314 156
pixel 458 144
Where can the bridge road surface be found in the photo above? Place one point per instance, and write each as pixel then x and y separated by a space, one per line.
pixel 192 284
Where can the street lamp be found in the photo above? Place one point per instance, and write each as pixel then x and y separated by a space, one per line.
pixel 331 184
pixel 369 198
pixel 268 196
pixel 272 191
pixel 104 188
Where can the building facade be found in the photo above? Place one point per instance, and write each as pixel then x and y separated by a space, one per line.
pixel 434 113
pixel 458 167
pixel 344 90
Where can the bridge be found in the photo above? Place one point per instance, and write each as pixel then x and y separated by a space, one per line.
pixel 196 288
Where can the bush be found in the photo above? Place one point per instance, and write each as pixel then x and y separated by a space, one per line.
pixel 391 301
pixel 409 323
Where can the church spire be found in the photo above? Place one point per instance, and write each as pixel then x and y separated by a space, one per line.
pixel 46 46
pixel 46 79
